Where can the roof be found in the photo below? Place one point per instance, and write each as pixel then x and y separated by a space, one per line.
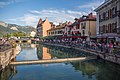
pixel 56 28
pixel 75 23
pixel 89 17
pixel 107 2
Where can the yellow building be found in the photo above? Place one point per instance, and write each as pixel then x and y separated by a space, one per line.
pixel 83 26
pixel 88 25
pixel 56 30
pixel 42 27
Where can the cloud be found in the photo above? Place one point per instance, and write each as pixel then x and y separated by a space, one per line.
pixel 4 3
pixel 92 5
pixel 54 15
pixel 58 15
pixel 27 19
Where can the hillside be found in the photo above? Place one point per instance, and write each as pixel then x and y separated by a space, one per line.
pixel 10 28
pixel 4 30
pixel 26 29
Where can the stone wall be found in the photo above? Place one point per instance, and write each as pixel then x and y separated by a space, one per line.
pixel 7 56
pixel 111 57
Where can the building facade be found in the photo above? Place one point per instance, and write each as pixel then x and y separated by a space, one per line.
pixel 56 30
pixel 32 34
pixel 68 28
pixel 84 26
pixel 108 17
pixel 88 25
pixel 42 27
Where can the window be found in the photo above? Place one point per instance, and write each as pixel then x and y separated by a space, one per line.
pixel 104 15
pixel 115 11
pixel 55 32
pixel 106 28
pixel 110 28
pixel 99 18
pixel 107 15
pixel 77 26
pixel 103 28
pixel 110 13
pixel 83 25
pixel 61 32
pixel 83 32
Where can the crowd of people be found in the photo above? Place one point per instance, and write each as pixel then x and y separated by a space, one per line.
pixel 98 46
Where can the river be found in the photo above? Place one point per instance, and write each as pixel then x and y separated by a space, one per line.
pixel 77 70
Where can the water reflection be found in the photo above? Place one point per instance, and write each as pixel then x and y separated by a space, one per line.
pixel 85 70
pixel 8 72
pixel 51 52
pixel 39 52
pixel 28 52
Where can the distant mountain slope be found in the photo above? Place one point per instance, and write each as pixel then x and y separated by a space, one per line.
pixel 10 28
pixel 26 29
pixel 4 30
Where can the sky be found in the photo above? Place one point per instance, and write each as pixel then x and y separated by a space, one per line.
pixel 28 12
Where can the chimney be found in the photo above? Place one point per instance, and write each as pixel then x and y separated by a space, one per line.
pixel 90 15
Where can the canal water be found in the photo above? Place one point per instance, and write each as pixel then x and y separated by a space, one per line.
pixel 77 70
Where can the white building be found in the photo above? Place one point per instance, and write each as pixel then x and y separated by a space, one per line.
pixel 33 33
pixel 108 17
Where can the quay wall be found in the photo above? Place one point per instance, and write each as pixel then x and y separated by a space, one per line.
pixel 7 56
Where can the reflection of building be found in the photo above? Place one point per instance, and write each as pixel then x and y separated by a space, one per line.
pixel 39 51
pixel 42 53
pixel 8 72
pixel 33 46
pixel 25 45
pixel 42 27
pixel 50 52
pixel 108 17
pixel 87 68
pixel 46 55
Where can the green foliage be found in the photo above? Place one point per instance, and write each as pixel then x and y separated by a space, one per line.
pixel 4 31
pixel 19 34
